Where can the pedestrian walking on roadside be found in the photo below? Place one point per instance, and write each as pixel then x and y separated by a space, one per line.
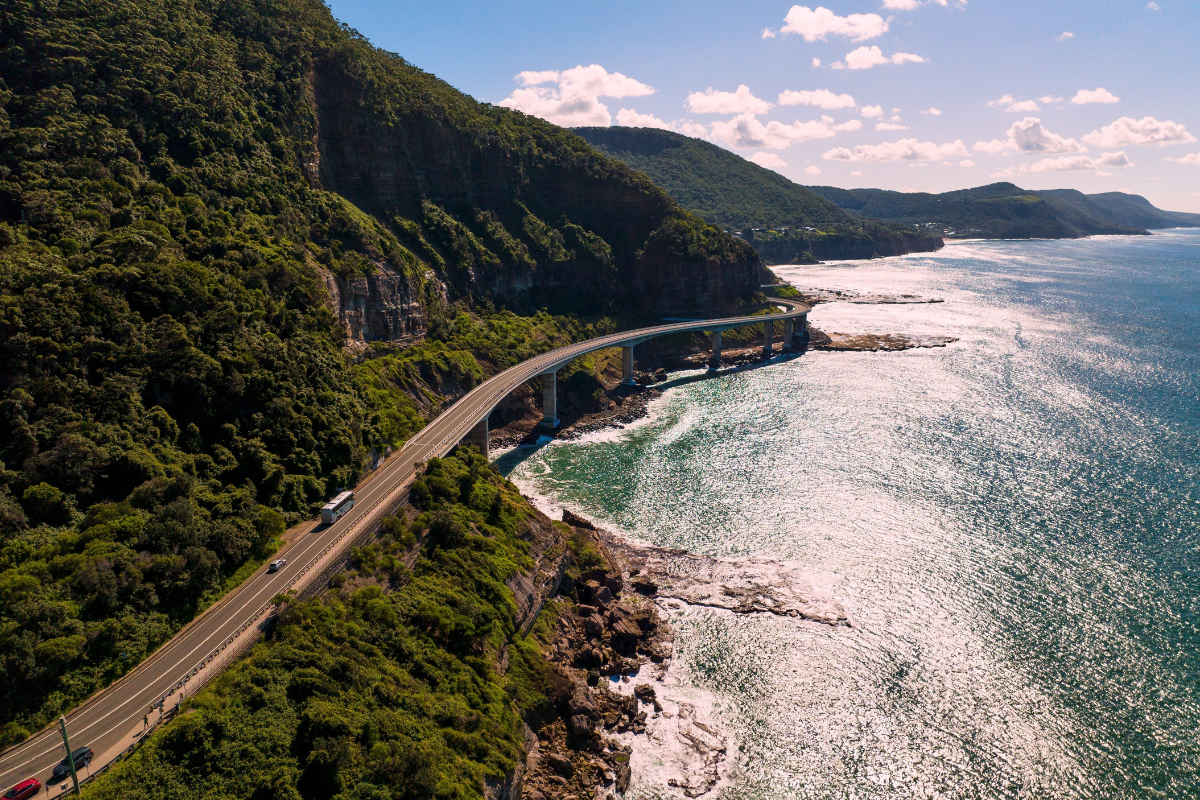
pixel 145 722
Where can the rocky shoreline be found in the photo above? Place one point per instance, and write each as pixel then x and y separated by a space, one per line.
pixel 627 714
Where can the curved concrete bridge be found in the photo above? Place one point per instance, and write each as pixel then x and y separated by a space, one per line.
pixel 118 718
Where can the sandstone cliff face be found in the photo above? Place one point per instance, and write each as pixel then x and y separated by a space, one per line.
pixel 529 226
pixel 383 307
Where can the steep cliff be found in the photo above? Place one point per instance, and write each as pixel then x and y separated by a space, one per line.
pixel 508 206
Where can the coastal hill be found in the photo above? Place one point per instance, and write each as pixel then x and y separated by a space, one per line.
pixel 242 254
pixel 1006 211
pixel 786 222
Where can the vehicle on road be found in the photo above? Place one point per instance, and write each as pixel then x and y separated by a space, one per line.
pixel 24 789
pixel 82 756
pixel 276 565
pixel 335 508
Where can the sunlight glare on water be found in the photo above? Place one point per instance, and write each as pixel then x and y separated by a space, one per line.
pixel 1011 520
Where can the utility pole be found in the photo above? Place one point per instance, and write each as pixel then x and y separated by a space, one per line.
pixel 62 724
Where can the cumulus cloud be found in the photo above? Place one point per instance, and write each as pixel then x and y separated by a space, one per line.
pixel 689 128
pixel 867 57
pixel 812 170
pixel 966 162
pixel 901 5
pixel 1050 99
pixel 768 33
pixel 1081 163
pixel 632 119
pixel 1064 36
pixel 871 111
pixel 816 62
pixel 713 102
pixel 819 24
pixel 903 150
pixel 1147 130
pixel 1030 136
pixel 1085 96
pixel 890 126
pixel 821 98
pixel 768 160
pixel 573 99
pixel 1010 103
pixel 745 130
pixel 936 112
pixel 1152 6
pixel 1190 158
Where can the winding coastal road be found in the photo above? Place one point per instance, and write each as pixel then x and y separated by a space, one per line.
pixel 117 717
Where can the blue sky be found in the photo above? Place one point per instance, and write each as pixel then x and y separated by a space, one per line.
pixel 1099 96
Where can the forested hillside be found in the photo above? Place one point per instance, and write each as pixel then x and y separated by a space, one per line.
pixel 205 207
pixel 784 221
pixel 1006 211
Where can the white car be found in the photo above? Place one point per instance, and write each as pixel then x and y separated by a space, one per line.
pixel 276 565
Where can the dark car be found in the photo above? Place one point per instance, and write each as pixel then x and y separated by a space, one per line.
pixel 24 789
pixel 81 756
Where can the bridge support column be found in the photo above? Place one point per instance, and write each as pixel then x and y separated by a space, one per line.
pixel 550 399
pixel 714 362
pixel 627 365
pixel 768 332
pixel 803 323
pixel 479 438
pixel 789 335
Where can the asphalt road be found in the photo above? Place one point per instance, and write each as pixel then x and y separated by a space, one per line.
pixel 108 718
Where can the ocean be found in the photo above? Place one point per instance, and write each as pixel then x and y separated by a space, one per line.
pixel 1012 521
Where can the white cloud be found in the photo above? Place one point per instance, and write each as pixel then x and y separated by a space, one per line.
pixel 1147 130
pixel 768 33
pixel 745 130
pixel 574 101
pixel 768 160
pixel 936 112
pixel 867 57
pixel 856 174
pixel 688 128
pixel 901 5
pixel 821 98
pixel 903 150
pixel 812 170
pixel 966 162
pixel 1010 103
pixel 890 126
pixel 816 62
pixel 1065 35
pixel 632 119
pixel 1152 6
pixel 1050 99
pixel 1029 136
pixel 1085 96
pixel 871 111
pixel 1190 158
pixel 837 65
pixel 714 102
pixel 1081 163
pixel 819 24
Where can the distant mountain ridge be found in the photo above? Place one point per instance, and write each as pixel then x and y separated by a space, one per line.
pixel 1006 211
pixel 787 223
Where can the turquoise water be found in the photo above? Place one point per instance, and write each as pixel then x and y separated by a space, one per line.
pixel 1012 520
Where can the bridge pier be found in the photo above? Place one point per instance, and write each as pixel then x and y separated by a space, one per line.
pixel 550 399
pixel 479 438
pixel 789 335
pixel 714 362
pixel 768 332
pixel 627 365
pixel 802 321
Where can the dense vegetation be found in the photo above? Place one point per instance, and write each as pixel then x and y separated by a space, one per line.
pixel 1006 211
pixel 174 389
pixel 383 688
pixel 784 221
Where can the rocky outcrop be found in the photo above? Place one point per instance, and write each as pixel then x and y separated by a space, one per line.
pixel 382 307
pixel 804 247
